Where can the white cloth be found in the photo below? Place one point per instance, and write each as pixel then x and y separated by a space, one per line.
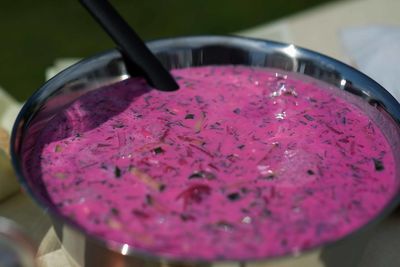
pixel 375 50
pixel 9 109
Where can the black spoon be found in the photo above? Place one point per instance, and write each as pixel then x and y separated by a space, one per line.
pixel 136 54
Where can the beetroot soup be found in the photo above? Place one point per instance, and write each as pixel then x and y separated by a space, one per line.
pixel 239 163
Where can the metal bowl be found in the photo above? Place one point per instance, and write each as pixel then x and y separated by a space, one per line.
pixel 106 68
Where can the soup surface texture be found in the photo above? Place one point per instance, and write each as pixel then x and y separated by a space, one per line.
pixel 239 163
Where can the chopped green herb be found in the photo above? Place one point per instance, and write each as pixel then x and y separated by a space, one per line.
pixel 170 111
pixel 308 117
pixel 244 190
pixel 118 125
pixel 189 116
pixel 195 175
pixel 236 111
pixel 117 172
pixel 158 150
pixel 243 210
pixel 310 172
pixel 378 164
pixel 187 217
pixel 269 176
pixel 115 211
pixel 162 187
pixel 199 99
pixel 149 200
pixel 202 174
pixel 233 196
pixel 266 212
pixel 232 157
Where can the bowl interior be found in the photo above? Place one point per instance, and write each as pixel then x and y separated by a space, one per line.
pixel 109 67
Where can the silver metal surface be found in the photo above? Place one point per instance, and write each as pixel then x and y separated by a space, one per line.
pixel 106 68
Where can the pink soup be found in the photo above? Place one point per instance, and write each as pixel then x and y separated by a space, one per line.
pixel 239 163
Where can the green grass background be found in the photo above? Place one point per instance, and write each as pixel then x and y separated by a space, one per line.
pixel 34 33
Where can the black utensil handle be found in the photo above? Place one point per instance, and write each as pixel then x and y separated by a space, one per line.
pixel 130 43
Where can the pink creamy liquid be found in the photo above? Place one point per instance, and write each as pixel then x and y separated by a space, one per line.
pixel 239 163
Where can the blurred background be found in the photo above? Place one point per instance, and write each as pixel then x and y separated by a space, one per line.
pixel 35 33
